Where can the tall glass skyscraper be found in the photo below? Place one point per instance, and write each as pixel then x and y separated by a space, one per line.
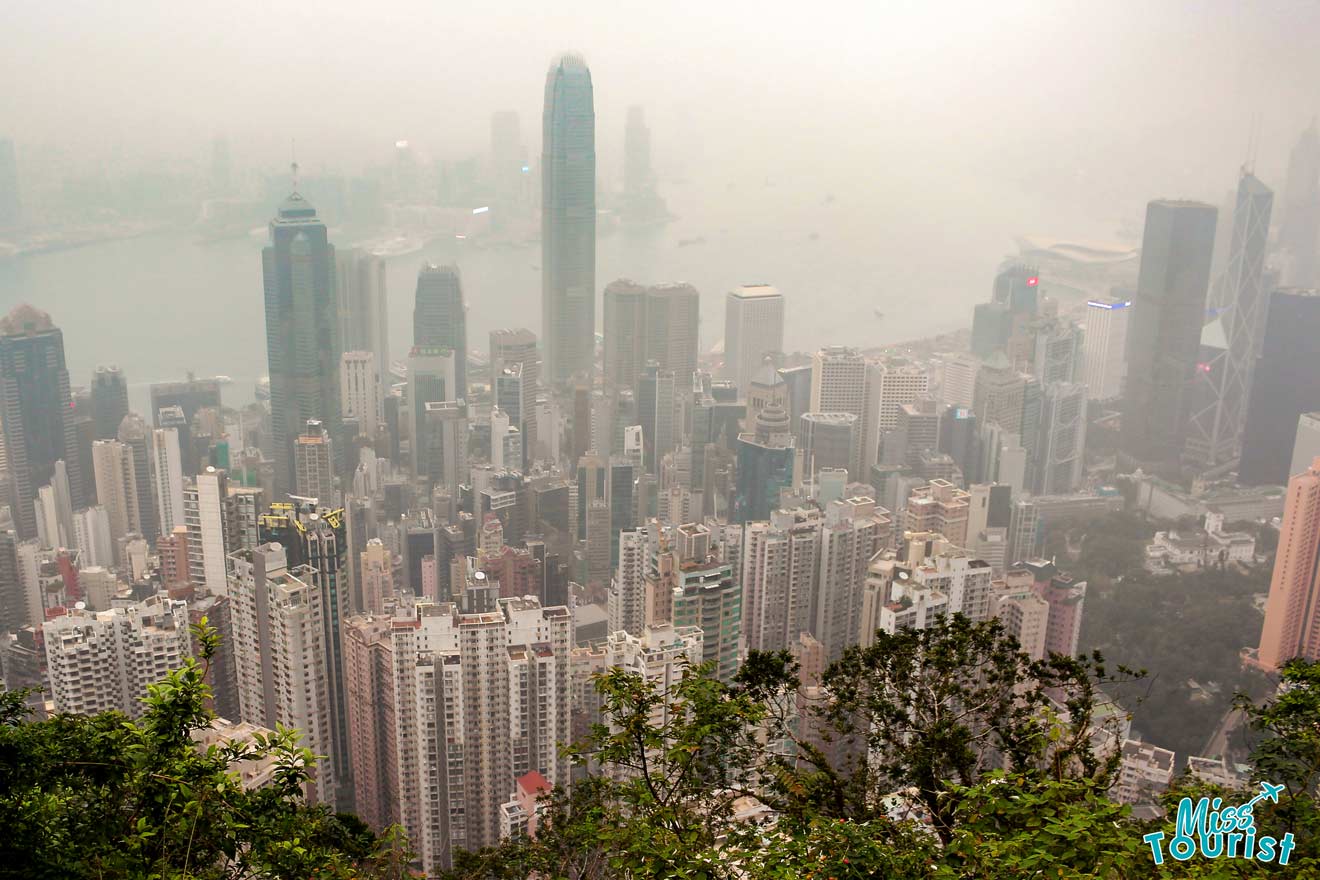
pixel 302 330
pixel 568 220
pixel 440 319
pixel 37 412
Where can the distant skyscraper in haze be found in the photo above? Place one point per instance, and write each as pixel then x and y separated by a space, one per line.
pixel 637 177
pixel 440 318
pixel 568 220
pixel 37 412
pixel 302 330
pixel 509 169
pixel 109 401
pixel 1105 346
pixel 1299 227
pixel 364 308
pixel 1285 384
pixel 1292 612
pixel 11 208
pixel 1165 334
pixel 753 328
pixel 656 323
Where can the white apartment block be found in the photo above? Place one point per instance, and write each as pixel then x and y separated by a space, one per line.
pixel 167 464
pixel 838 381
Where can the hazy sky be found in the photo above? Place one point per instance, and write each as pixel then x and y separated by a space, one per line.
pixel 1053 88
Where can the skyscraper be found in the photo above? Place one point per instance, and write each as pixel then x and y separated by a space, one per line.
pixel 37 411
pixel 838 381
pixel 655 411
pixel 313 458
pixel 656 323
pixel 168 465
pixel 360 385
pixel 1058 460
pixel 765 465
pixel 753 329
pixel 1285 384
pixel 133 433
pixel 1105 350
pixel 440 318
pixel 1164 341
pixel 1299 227
pixel 302 330
pixel 207 515
pixel 364 308
pixel 1292 614
pixel 117 486
pixel 568 220
pixel 889 384
pixel 109 401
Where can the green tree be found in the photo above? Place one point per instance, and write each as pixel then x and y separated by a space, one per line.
pixel 106 796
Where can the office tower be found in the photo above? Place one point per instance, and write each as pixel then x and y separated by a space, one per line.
pixel 991 325
pixel 92 538
pixel 779 574
pixel 13 601
pixel 642 324
pixel 916 430
pixel 314 542
pixel 1165 334
pixel 1001 395
pixel 440 318
pixel 568 221
pixel 11 206
pixel 960 439
pixel 302 330
pixel 190 395
pixel 133 434
pixel 103 661
pixel 1059 458
pixel 284 663
pixel 509 168
pixel 1017 286
pixel 117 487
pixel 109 401
pixel 516 346
pixel 1285 384
pixel 360 388
pixel 1058 352
pixel 442 445
pixel 765 465
pixel 705 594
pixel 958 379
pixel 432 378
pixel 838 381
pixel 829 440
pixel 1299 226
pixel 1106 330
pixel 314 463
pixel 505 441
pixel 753 330
pixel 637 176
pixel 1290 628
pixel 37 411
pixel 889 385
pixel 989 506
pixel 377 566
pixel 364 308
pixel 208 517
pixel 1306 445
pixel 655 410
pixel 767 388
pixel 511 348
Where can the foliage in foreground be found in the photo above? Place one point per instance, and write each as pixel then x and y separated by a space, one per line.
pixel 106 796
pixel 964 781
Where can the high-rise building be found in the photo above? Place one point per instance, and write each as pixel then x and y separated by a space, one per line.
pixel 515 376
pixel 1106 331
pixel 302 331
pixel 1165 334
pixel 117 486
pixel 279 620
pixel 655 411
pixel 37 412
pixel 431 379
pixel 315 546
pixel 705 594
pixel 643 324
pixel 939 507
pixel 442 444
pixel 753 330
pixel 779 576
pixel 1285 384
pixel 958 379
pixel 109 395
pixel 133 433
pixel 1292 614
pixel 765 465
pixel 364 308
pixel 103 661
pixel 377 566
pixel 190 395
pixel 855 529
pixel 93 539
pixel 838 380
pixel 626 602
pixel 568 220
pixel 11 206
pixel 1059 459
pixel 440 318
pixel 208 517
pixel 360 387
pixel 314 463
pixel 168 465
pixel 829 440
pixel 1299 227
pixel 1306 445
pixel 889 385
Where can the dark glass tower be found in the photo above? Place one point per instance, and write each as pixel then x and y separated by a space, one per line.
pixel 109 401
pixel 39 427
pixel 440 318
pixel 1165 335
pixel 568 220
pixel 302 330
pixel 1285 384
